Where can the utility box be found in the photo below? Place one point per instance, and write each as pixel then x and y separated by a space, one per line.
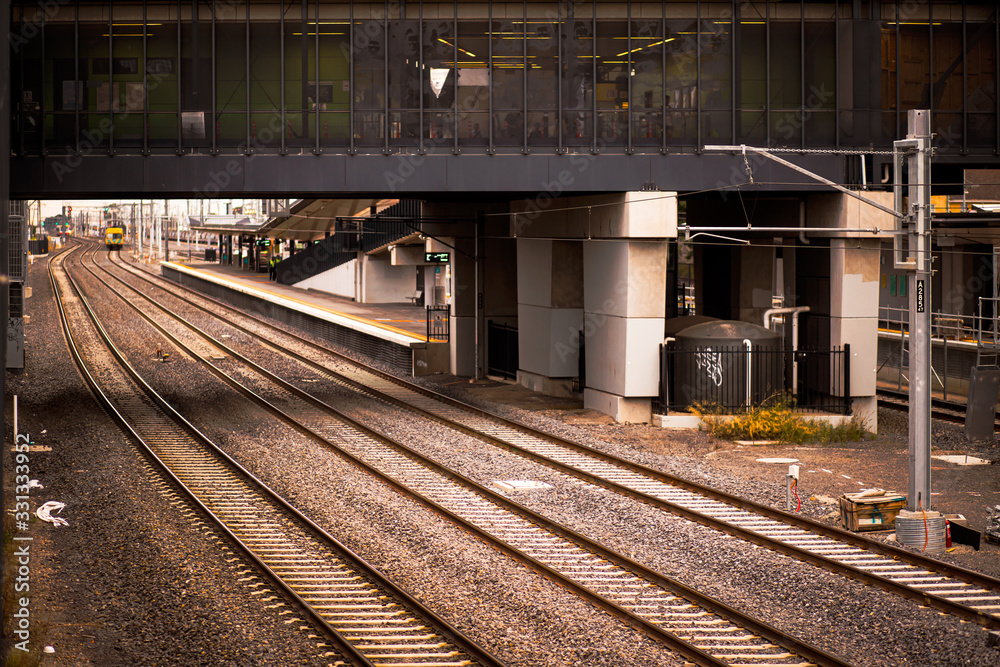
pixel 980 413
pixel 865 513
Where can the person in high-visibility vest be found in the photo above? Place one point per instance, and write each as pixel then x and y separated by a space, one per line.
pixel 272 269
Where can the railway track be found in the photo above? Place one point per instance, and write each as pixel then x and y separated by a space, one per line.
pixel 948 411
pixel 705 631
pixel 365 617
pixel 963 593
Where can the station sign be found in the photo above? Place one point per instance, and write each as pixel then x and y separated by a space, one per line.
pixel 437 257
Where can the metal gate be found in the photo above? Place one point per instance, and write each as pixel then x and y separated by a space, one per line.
pixel 438 323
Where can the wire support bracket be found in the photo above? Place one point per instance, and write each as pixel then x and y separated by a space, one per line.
pixel 768 153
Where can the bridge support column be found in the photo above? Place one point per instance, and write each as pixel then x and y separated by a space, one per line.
pixel 592 277
pixel 624 309
pixel 549 313
pixel 854 283
pixel 463 338
pixel 854 290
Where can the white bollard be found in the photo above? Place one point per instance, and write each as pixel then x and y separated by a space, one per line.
pixel 793 474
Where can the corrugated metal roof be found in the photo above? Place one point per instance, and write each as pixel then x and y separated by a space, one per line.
pixel 307 219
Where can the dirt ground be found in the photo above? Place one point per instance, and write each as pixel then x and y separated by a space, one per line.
pixel 828 470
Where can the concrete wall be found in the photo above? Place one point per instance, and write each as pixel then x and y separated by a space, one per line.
pixel 500 277
pixel 385 283
pixel 407 255
pixel 598 265
pixel 550 306
pixel 837 210
pixel 854 292
pixel 753 283
pixel 620 215
pixel 467 342
pixel 339 281
pixel 380 283
pixel 624 313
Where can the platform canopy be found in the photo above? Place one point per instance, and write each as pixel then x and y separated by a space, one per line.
pixel 304 220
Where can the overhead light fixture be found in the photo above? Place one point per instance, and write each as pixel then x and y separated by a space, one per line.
pixel 647 46
pixel 443 41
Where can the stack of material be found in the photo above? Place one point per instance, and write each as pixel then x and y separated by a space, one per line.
pixel 925 530
pixel 871 509
pixel 992 532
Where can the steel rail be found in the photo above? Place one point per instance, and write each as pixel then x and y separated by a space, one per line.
pixel 696 654
pixel 102 398
pixel 948 411
pixel 458 639
pixel 917 560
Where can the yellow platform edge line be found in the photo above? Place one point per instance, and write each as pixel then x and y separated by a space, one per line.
pixel 378 325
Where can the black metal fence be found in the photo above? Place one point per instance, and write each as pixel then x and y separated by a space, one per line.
pixel 39 246
pixel 501 350
pixel 438 323
pixel 737 378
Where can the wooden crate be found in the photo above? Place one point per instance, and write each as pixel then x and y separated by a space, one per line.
pixel 871 513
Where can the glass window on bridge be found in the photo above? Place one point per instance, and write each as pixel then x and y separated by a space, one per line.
pixel 574 75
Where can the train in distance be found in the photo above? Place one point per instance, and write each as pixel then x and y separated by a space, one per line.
pixel 114 237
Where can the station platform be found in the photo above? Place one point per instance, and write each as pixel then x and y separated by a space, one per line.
pixel 394 334
pixel 952 361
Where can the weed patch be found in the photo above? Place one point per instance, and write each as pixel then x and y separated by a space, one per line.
pixel 776 421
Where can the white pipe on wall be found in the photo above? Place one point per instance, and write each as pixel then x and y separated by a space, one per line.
pixel 794 310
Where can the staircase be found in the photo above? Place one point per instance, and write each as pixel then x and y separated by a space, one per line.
pixel 350 237
pixel 313 260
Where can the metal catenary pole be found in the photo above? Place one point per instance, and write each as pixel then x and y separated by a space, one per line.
pixel 915 223
pixel 919 278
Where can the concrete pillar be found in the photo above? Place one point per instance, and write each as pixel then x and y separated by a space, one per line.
pixel 466 356
pixel 549 313
pixel 754 283
pixel 854 285
pixel 624 308
pixel 464 241
pixel 614 248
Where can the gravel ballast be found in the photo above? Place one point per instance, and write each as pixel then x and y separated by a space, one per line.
pixel 139 559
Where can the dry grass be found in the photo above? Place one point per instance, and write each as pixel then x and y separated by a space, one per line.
pixel 776 421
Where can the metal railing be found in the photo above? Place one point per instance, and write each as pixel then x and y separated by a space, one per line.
pixel 951 326
pixel 739 378
pixel 951 336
